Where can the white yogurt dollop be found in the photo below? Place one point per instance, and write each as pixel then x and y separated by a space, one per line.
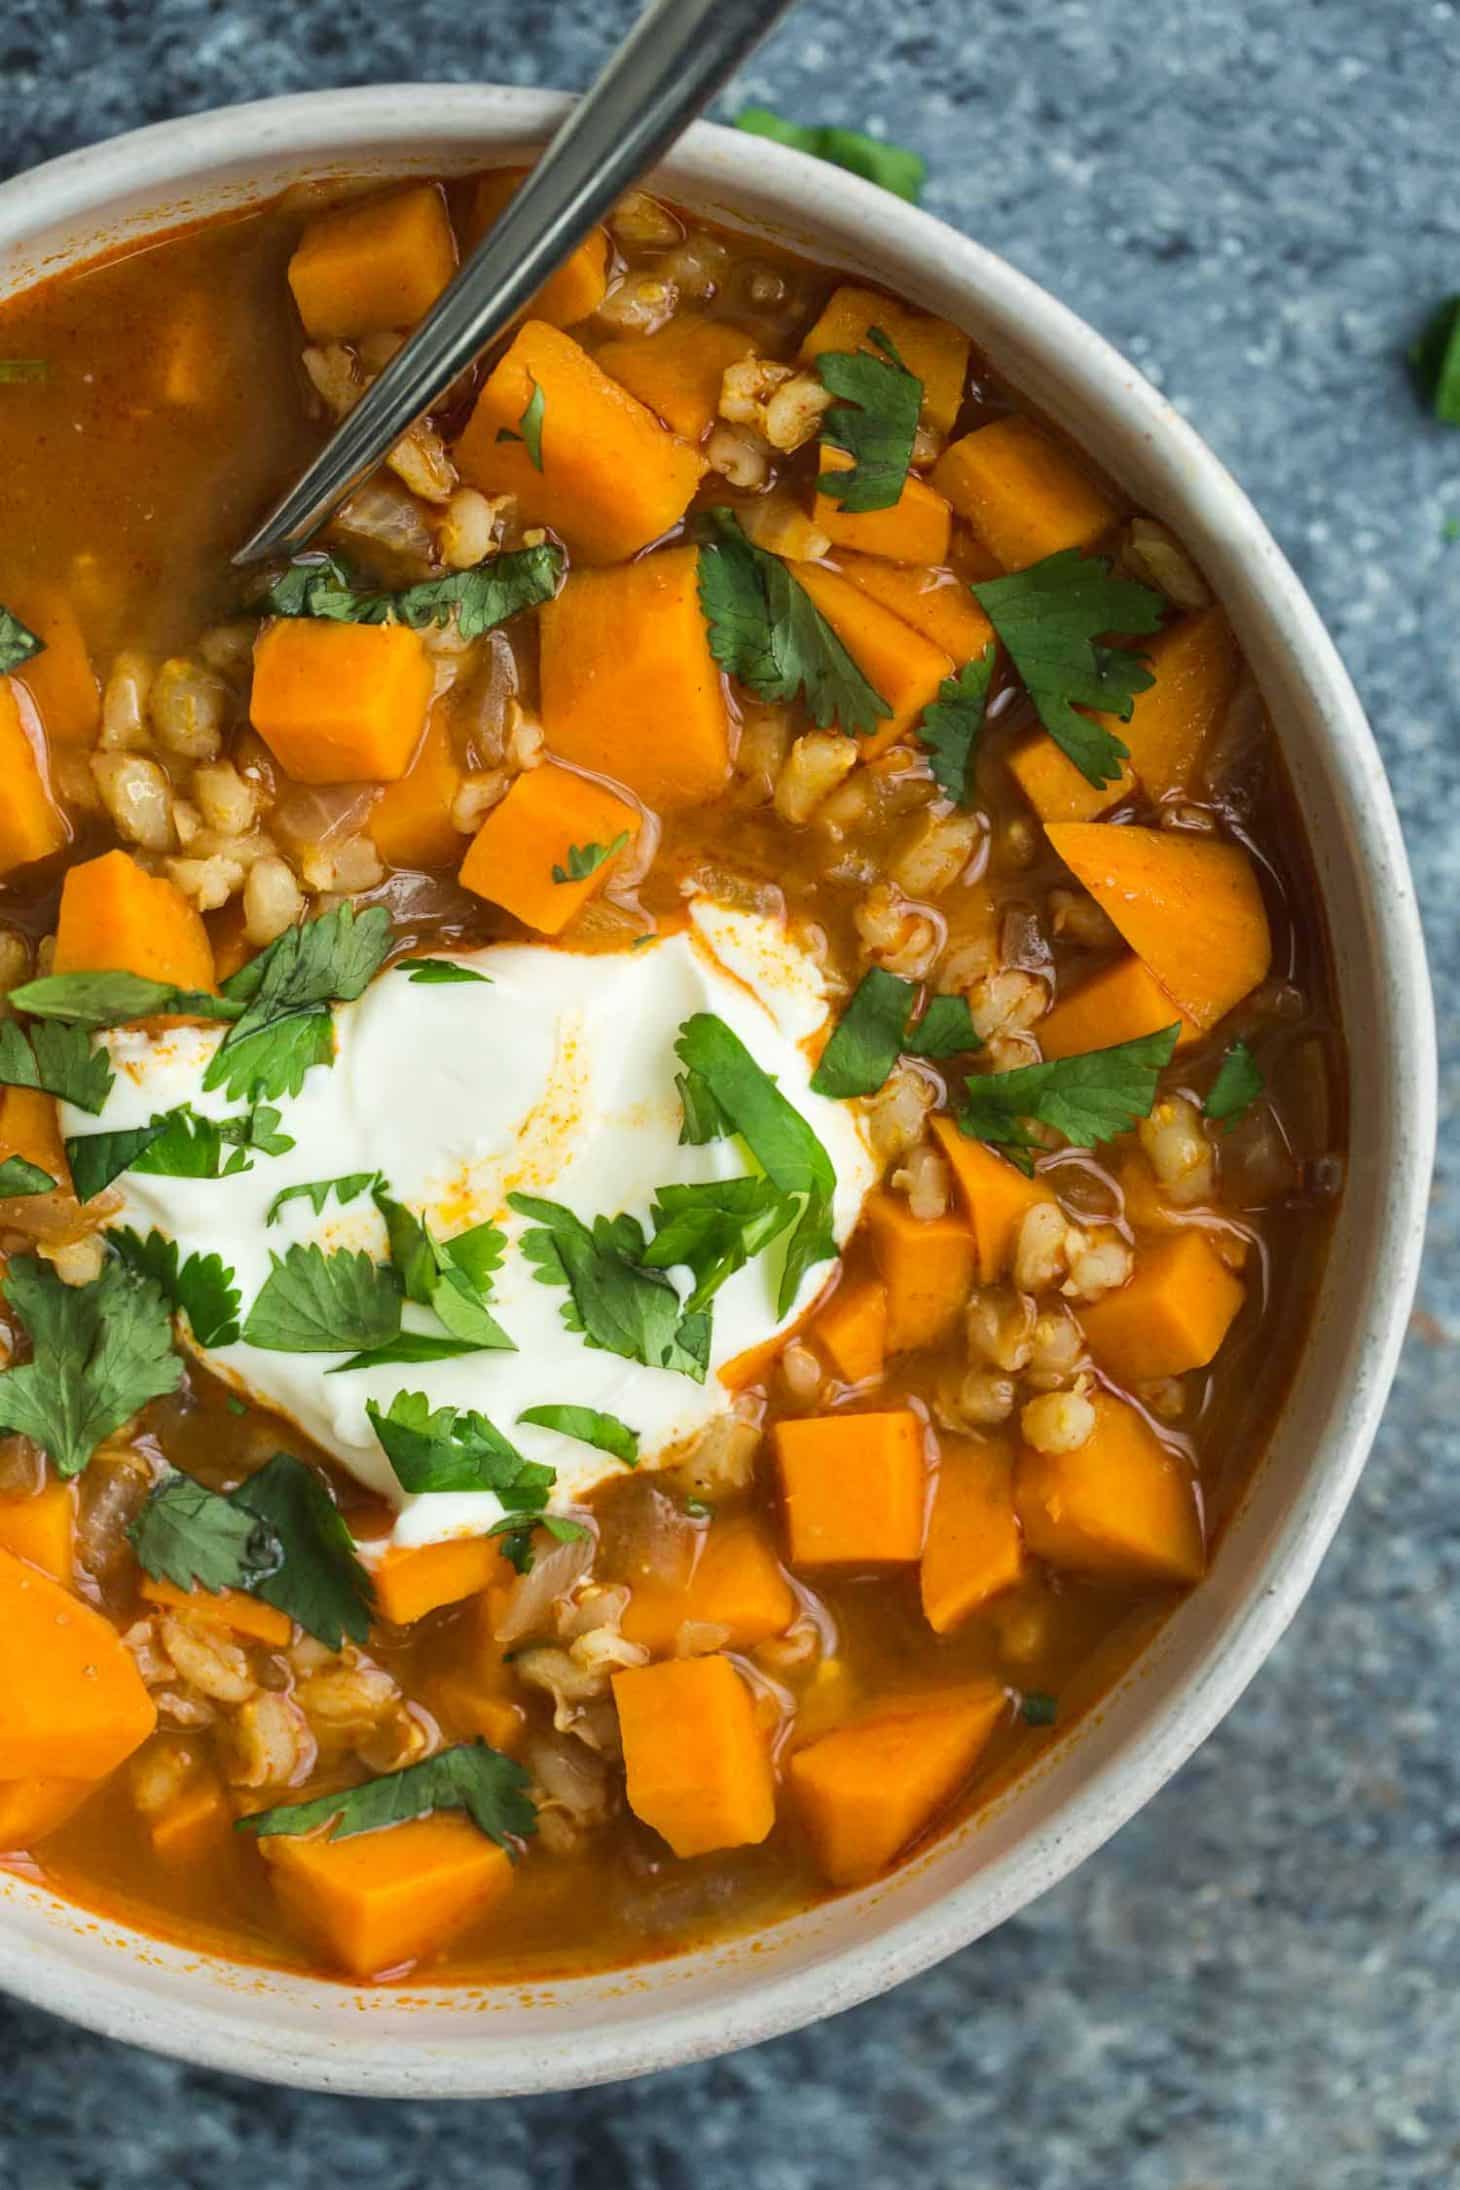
pixel 557 1079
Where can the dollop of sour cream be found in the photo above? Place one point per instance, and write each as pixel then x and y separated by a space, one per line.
pixel 554 1076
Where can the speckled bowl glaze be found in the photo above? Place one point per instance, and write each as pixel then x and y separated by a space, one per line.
pixel 458 2042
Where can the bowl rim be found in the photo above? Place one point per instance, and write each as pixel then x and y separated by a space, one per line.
pixel 331 129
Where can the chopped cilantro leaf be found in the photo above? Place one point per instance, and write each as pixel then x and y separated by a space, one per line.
pixel 275 1060
pixel 615 1303
pixel 715 1228
pixel 586 859
pixel 704 1120
pixel 1236 1087
pixel 946 1029
pixel 490 1788
pixel 57 1060
pixel 766 630
pixel 99 1000
pixel 590 1426
pixel 100 1352
pixel 314 1303
pixel 482 597
pixel 531 425
pixel 196 1538
pixel 98 1158
pixel 458 1451
pixel 950 728
pixel 18 643
pixel 317 1192
pixel 454 1286
pixel 1038 1709
pixel 1088 1098
pixel 321 1582
pixel 892 165
pixel 202 1287
pixel 19 1177
pixel 190 1147
pixel 1050 618
pixel 438 972
pixel 407 1350
pixel 872 1033
pixel 874 421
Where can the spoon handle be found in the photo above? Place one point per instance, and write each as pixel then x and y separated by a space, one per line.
pixel 671 65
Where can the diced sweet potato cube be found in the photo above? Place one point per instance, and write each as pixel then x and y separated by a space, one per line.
pixel 478 1710
pixel 696 1763
pixel 196 1821
pixel 612 478
pixel 374 266
pixel 410 823
pixel 1054 786
pixel 412 1582
pixel 932 601
pixel 973 1548
pixel 60 680
pixel 863 1792
pixel 995 1196
pixel 903 668
pixel 1121 1506
pixel 624 653
pixel 521 857
pixel 932 349
pixel 1195 666
pixel 1119 1004
pixel 1023 493
pixel 851 1330
pixel 577 288
pixel 233 1608
pixel 678 371
pixel 853 1487
pixel 117 918
pixel 31 1808
pixel 927 1266
pixel 916 528
pixel 1189 906
pixel 32 825
pixel 340 703
pixel 379 1901
pixel 1170 1316
pixel 42 1529
pixel 72 1703
pixel 30 1127
pixel 736 1584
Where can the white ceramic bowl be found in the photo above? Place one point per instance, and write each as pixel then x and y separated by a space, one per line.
pixel 460 2043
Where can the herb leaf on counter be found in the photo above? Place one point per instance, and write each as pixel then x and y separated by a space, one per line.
pixel 101 1351
pixel 874 421
pixel 616 1304
pixel 1435 358
pixel 489 1787
pixel 202 1287
pixel 1235 1089
pixel 1051 619
pixel 891 165
pixel 1089 1098
pixel 766 630
pixel 590 1426
pixel 951 727
pixel 56 1060
pixel 314 1303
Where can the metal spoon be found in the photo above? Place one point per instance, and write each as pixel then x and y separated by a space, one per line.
pixel 671 65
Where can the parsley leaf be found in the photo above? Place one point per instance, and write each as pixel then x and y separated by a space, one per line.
pixel 704 1120
pixel 950 728
pixel 331 960
pixel 1050 617
pixel 317 1192
pixel 18 1177
pixel 531 425
pixel 489 1787
pixel 57 1060
pixel 17 642
pixel 946 1029
pixel 605 1432
pixel 100 1000
pixel 715 1228
pixel 1435 358
pixel 892 165
pixel 774 1131
pixel 872 1033
pixel 314 1303
pixel 874 421
pixel 408 1350
pixel 98 1158
pixel 275 1060
pixel 194 1537
pixel 1236 1087
pixel 189 1147
pixel 766 630
pixel 482 597
pixel 1088 1098
pixel 586 859
pixel 320 1582
pixel 617 1304
pixel 438 972
pixel 101 1351
pixel 451 1450
pixel 202 1287
pixel 454 1285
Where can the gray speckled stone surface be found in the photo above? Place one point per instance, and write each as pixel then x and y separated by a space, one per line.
pixel 1255 1984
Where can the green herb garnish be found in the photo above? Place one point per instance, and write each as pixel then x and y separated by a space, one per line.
pixel 874 421
pixel 872 1033
pixel 605 1432
pixel 196 1538
pixel 1038 1709
pixel 452 1450
pixel 490 1788
pixel 586 859
pixel 56 1060
pixel 1235 1089
pixel 482 598
pixel 100 1353
pixel 1435 358
pixel 715 1228
pixel 17 642
pixel 951 727
pixel 19 1177
pixel 320 1582
pixel 453 1278
pixel 314 1303
pixel 1051 619
pixel 317 1192
pixel 1088 1098
pixel 438 972
pixel 616 1303
pixel 202 1287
